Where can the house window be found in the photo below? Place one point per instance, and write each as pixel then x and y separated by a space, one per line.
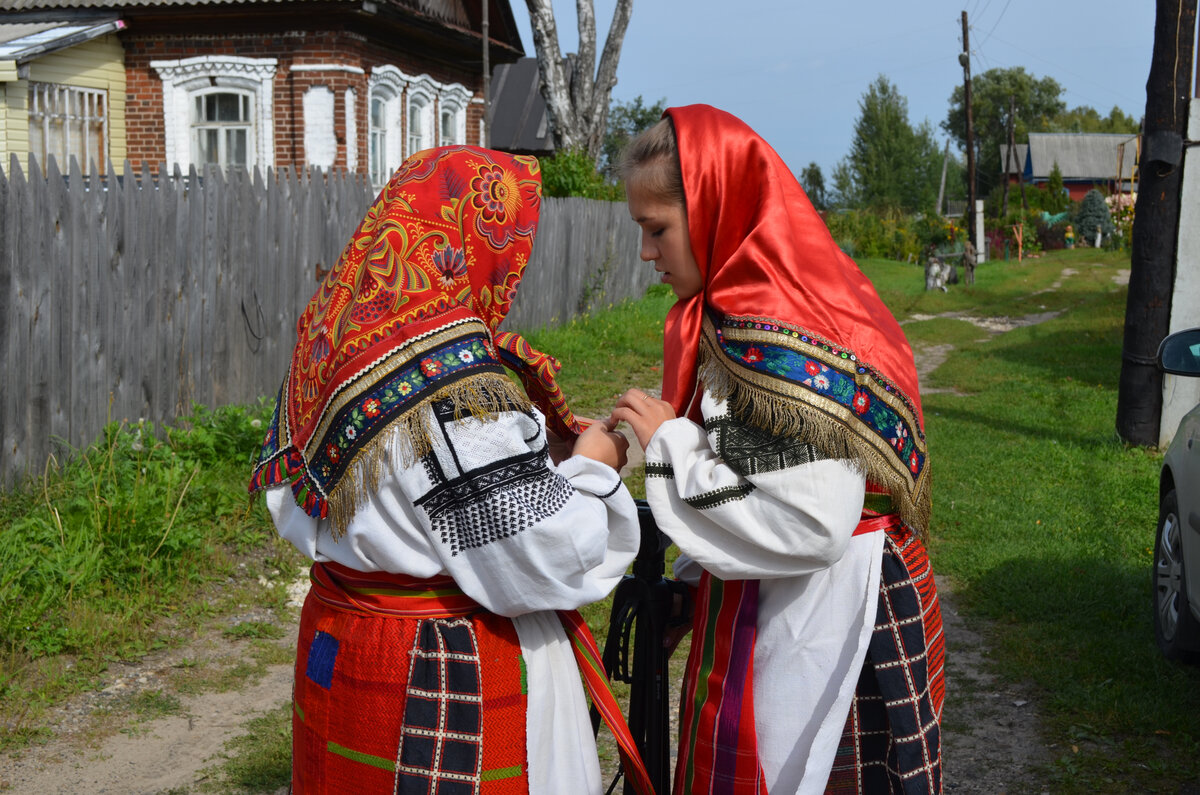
pixel 377 139
pixel 452 107
pixel 222 128
pixel 385 122
pixel 218 109
pixel 66 122
pixel 418 124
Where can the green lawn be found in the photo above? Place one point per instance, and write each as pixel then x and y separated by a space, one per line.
pixel 1043 520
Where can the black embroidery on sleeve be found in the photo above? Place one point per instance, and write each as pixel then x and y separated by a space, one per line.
pixel 500 499
pixel 752 451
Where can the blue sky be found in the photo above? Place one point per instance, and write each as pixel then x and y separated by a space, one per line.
pixel 795 69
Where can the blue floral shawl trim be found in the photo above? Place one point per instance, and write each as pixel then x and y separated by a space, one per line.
pixel 781 379
pixel 376 412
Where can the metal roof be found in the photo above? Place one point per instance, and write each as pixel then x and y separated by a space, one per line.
pixel 1081 156
pixel 448 10
pixel 1020 151
pixel 22 42
pixel 463 15
pixel 519 122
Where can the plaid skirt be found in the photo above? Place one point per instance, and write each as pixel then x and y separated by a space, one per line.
pixel 397 691
pixel 892 739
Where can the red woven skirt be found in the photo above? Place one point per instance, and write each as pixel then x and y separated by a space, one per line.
pixel 405 686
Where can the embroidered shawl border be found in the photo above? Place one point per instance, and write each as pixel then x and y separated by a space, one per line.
pixel 336 471
pixel 759 366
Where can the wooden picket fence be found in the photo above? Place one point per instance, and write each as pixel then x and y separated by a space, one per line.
pixel 136 297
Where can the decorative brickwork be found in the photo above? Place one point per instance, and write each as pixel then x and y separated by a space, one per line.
pixel 336 60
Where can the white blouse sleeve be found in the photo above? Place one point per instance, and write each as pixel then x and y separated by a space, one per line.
pixel 487 507
pixel 746 505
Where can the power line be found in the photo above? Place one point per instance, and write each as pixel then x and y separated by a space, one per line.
pixel 997 22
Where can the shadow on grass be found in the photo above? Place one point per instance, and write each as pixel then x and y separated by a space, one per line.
pixel 1011 426
pixel 1050 614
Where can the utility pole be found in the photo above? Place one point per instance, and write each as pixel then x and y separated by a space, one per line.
pixel 942 185
pixel 487 79
pixel 964 58
pixel 1009 154
pixel 1156 222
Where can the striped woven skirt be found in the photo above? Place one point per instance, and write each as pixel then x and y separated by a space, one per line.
pixel 405 686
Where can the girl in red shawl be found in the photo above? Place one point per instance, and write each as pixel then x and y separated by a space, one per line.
pixel 789 410
pixel 439 642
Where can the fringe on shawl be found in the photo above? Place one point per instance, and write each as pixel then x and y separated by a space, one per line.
pixel 808 423
pixel 406 438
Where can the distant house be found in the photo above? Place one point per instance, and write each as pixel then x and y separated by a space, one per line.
pixel 353 84
pixel 1086 160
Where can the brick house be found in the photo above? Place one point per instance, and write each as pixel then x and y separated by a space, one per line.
pixel 341 84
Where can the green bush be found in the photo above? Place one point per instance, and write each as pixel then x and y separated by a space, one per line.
pixel 571 172
pixel 888 235
pixel 1093 212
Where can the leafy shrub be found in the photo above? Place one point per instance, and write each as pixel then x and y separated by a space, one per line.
pixel 571 172
pixel 890 235
pixel 1093 212
pixel 1052 237
pixel 1122 212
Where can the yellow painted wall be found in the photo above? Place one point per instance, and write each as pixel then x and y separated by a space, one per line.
pixel 15 123
pixel 99 63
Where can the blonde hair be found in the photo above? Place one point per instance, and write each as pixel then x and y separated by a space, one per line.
pixel 650 162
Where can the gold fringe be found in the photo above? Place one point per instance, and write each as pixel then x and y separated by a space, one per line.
pixel 765 409
pixel 408 437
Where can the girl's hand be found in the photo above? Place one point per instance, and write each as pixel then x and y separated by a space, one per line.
pixel 601 443
pixel 643 412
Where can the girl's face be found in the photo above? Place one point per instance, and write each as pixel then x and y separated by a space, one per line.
pixel 665 241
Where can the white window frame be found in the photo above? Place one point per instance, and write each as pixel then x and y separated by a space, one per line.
pixel 59 103
pixel 197 124
pixel 184 78
pixel 386 85
pixel 350 109
pixel 453 100
pixel 422 93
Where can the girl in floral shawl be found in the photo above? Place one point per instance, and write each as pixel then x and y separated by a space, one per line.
pixel 438 643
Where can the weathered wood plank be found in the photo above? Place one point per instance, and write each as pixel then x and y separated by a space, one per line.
pixel 123 296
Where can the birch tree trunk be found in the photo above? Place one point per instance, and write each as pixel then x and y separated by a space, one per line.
pixel 577 94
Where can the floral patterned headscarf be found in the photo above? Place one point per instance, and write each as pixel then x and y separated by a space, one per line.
pixel 408 315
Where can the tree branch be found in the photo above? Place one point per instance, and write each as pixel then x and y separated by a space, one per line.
pixel 606 77
pixel 562 116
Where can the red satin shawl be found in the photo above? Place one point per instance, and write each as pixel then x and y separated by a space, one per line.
pixel 764 251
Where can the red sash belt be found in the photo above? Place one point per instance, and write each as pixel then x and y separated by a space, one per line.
pixel 400 596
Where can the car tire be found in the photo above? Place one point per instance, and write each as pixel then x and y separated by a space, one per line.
pixel 1175 628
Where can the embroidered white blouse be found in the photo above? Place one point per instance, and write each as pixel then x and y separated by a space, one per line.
pixel 745 505
pixel 519 535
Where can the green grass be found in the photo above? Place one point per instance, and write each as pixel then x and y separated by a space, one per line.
pixel 1043 524
pixel 1044 520
pixel 605 353
pixel 260 760
pixel 124 548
